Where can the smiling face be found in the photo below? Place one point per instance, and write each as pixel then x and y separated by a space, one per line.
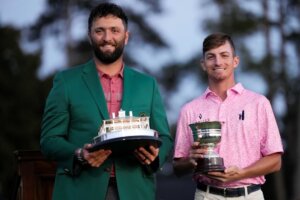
pixel 220 62
pixel 108 36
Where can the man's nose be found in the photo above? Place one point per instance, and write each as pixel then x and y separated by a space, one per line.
pixel 107 36
pixel 218 60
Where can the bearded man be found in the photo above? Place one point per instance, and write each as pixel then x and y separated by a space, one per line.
pixel 81 98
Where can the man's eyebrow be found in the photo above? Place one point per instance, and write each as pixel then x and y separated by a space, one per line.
pixel 209 54
pixel 225 52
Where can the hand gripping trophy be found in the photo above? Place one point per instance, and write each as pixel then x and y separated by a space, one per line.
pixel 209 135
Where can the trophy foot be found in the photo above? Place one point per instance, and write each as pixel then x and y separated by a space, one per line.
pixel 212 164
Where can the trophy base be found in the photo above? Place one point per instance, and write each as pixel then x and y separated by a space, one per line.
pixel 126 145
pixel 209 165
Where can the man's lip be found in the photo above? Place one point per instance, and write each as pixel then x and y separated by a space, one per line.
pixel 107 46
pixel 107 43
pixel 218 68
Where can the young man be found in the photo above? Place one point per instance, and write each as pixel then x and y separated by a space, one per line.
pixel 250 145
pixel 81 98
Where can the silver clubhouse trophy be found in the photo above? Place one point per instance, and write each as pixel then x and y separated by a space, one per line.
pixel 209 135
pixel 122 134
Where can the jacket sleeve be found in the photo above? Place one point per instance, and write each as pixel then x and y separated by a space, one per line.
pixel 54 133
pixel 159 122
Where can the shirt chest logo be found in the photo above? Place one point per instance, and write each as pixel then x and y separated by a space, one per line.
pixel 242 115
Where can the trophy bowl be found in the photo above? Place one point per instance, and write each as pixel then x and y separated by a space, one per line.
pixel 208 134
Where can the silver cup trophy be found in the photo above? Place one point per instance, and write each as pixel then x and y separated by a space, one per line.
pixel 209 135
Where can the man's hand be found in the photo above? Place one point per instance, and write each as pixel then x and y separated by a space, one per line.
pixel 96 158
pixel 146 157
pixel 195 153
pixel 230 174
pixel 188 164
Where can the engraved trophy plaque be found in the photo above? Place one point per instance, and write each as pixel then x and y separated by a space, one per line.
pixel 209 135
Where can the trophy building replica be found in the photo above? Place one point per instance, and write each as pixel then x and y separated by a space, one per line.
pixel 209 135
pixel 123 134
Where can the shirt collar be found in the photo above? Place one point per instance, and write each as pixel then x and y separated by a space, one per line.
pixel 237 88
pixel 120 73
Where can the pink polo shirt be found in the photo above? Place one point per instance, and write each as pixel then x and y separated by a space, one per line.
pixel 113 90
pixel 249 129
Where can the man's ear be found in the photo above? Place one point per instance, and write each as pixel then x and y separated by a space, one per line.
pixel 127 34
pixel 89 38
pixel 202 65
pixel 236 61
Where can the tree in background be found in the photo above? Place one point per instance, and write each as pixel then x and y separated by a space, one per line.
pixel 22 98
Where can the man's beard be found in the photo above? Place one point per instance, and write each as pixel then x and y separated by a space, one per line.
pixel 108 58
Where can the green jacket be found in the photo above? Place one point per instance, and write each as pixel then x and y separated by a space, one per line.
pixel 73 114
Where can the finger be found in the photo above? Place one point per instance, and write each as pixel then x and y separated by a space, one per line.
pixel 231 169
pixel 97 162
pixel 217 174
pixel 147 161
pixel 101 152
pixel 216 178
pixel 195 146
pixel 143 150
pixel 104 152
pixel 153 148
pixel 141 157
pixel 144 153
pixel 150 155
pixel 195 154
pixel 154 151
pixel 194 162
pixel 87 146
pixel 95 159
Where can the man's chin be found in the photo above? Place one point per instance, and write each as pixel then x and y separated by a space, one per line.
pixel 108 52
pixel 107 59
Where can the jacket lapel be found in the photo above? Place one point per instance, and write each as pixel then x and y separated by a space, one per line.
pixel 127 89
pixel 90 77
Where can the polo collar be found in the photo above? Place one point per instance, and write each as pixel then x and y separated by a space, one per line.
pixel 120 73
pixel 237 88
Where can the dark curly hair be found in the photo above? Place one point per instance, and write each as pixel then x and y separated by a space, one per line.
pixel 105 9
